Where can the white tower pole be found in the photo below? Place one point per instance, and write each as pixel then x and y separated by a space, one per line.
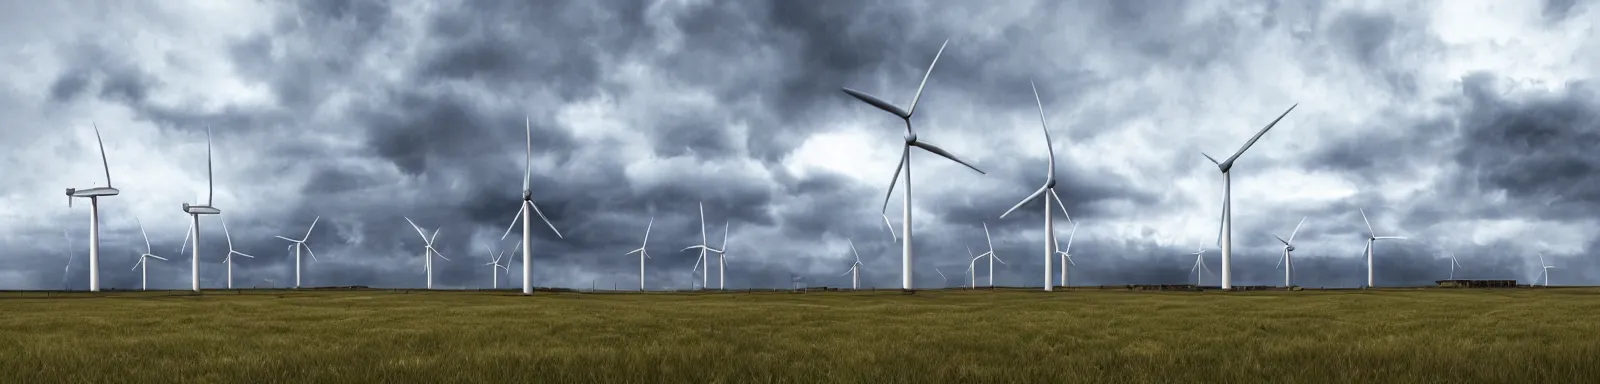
pixel 194 261
pixel 94 244
pixel 1049 243
pixel 297 265
pixel 905 227
pixel 527 250
pixel 1227 230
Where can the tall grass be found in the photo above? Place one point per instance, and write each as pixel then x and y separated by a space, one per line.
pixel 1372 336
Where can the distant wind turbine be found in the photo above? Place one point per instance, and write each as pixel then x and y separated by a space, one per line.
pixel 1199 263
pixel 855 268
pixel 298 245
pixel 94 195
pixel 1453 264
pixel 1225 226
pixel 704 248
pixel 972 270
pixel 194 212
pixel 1371 237
pixel 429 251
pixel 992 256
pixel 1545 267
pixel 144 265
pixel 643 254
pixel 1287 262
pixel 905 162
pixel 495 267
pixel 1066 254
pixel 231 252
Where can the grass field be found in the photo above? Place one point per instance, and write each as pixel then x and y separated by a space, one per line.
pixel 1370 336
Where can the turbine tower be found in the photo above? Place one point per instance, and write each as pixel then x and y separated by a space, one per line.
pixel 522 213
pixel 1049 186
pixel 855 268
pixel 94 194
pixel 905 162
pixel 1066 254
pixel 993 257
pixel 1199 263
pixel 144 258
pixel 231 252
pixel 972 270
pixel 1287 262
pixel 722 259
pixel 1371 237
pixel 428 252
pixel 1225 226
pixel 194 212
pixel 642 253
pixel 297 245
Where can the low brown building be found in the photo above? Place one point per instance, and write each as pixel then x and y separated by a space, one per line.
pixel 1477 283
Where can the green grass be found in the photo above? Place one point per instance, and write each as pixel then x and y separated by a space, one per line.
pixel 1092 336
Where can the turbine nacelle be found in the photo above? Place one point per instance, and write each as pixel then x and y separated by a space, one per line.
pixel 200 209
pixel 93 192
pixel 911 137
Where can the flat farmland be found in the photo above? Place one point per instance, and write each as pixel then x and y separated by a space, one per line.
pixel 1000 336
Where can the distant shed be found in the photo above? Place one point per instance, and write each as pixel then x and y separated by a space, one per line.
pixel 1458 283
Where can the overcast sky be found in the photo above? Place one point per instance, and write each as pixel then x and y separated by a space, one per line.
pixel 1465 126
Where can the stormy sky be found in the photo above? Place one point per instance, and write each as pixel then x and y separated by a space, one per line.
pixel 1466 126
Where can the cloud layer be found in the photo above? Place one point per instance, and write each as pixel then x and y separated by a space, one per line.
pixel 1467 128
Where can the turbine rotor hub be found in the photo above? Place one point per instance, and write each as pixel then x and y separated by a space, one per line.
pixel 1290 248
pixel 527 195
pixel 911 137
pixel 1050 182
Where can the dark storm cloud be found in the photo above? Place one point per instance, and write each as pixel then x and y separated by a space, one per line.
pixel 1557 10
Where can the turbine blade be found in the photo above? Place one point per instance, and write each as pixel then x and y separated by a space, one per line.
pixel 941 152
pixel 308 251
pixel 419 229
pixel 313 226
pixel 241 254
pixel 647 231
pixel 1370 232
pixel 918 96
pixel 876 102
pixel 725 236
pixel 513 222
pixel 1296 230
pixel 858 254
pixel 1263 131
pixel 527 160
pixel 1025 200
pixel 435 236
pixel 997 258
pixel 440 255
pixel 136 264
pixel 1280 262
pixel 692 247
pixel 905 153
pixel 1069 260
pixel 1281 240
pixel 633 251
pixel 158 257
pixel 1071 235
pixel 546 221
pixel 986 237
pixel 285 238
pixel 103 162
pixel 886 224
pixel 1213 160
pixel 225 234
pixel 186 234
pixel 210 178
pixel 1061 204
pixel 142 233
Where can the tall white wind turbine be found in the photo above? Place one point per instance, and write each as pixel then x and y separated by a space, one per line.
pixel 231 252
pixel 428 252
pixel 194 212
pixel 1225 226
pixel 1371 237
pixel 94 194
pixel 643 254
pixel 1199 263
pixel 704 248
pixel 992 256
pixel 1287 262
pixel 144 258
pixel 1545 268
pixel 1066 254
pixel 298 245
pixel 522 213
pixel 905 162
pixel 855 268
pixel 1049 186
pixel 972 270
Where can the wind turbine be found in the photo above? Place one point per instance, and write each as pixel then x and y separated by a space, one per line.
pixel 65 285
pixel 1287 262
pixel 1199 263
pixel 144 258
pixel 297 245
pixel 194 212
pixel 642 253
pixel 231 252
pixel 428 252
pixel 494 271
pixel 855 268
pixel 1066 254
pixel 993 257
pixel 905 162
pixel 1454 263
pixel 704 247
pixel 522 213
pixel 722 259
pixel 1049 186
pixel 972 270
pixel 94 195
pixel 1546 269
pixel 1371 237
pixel 1225 226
